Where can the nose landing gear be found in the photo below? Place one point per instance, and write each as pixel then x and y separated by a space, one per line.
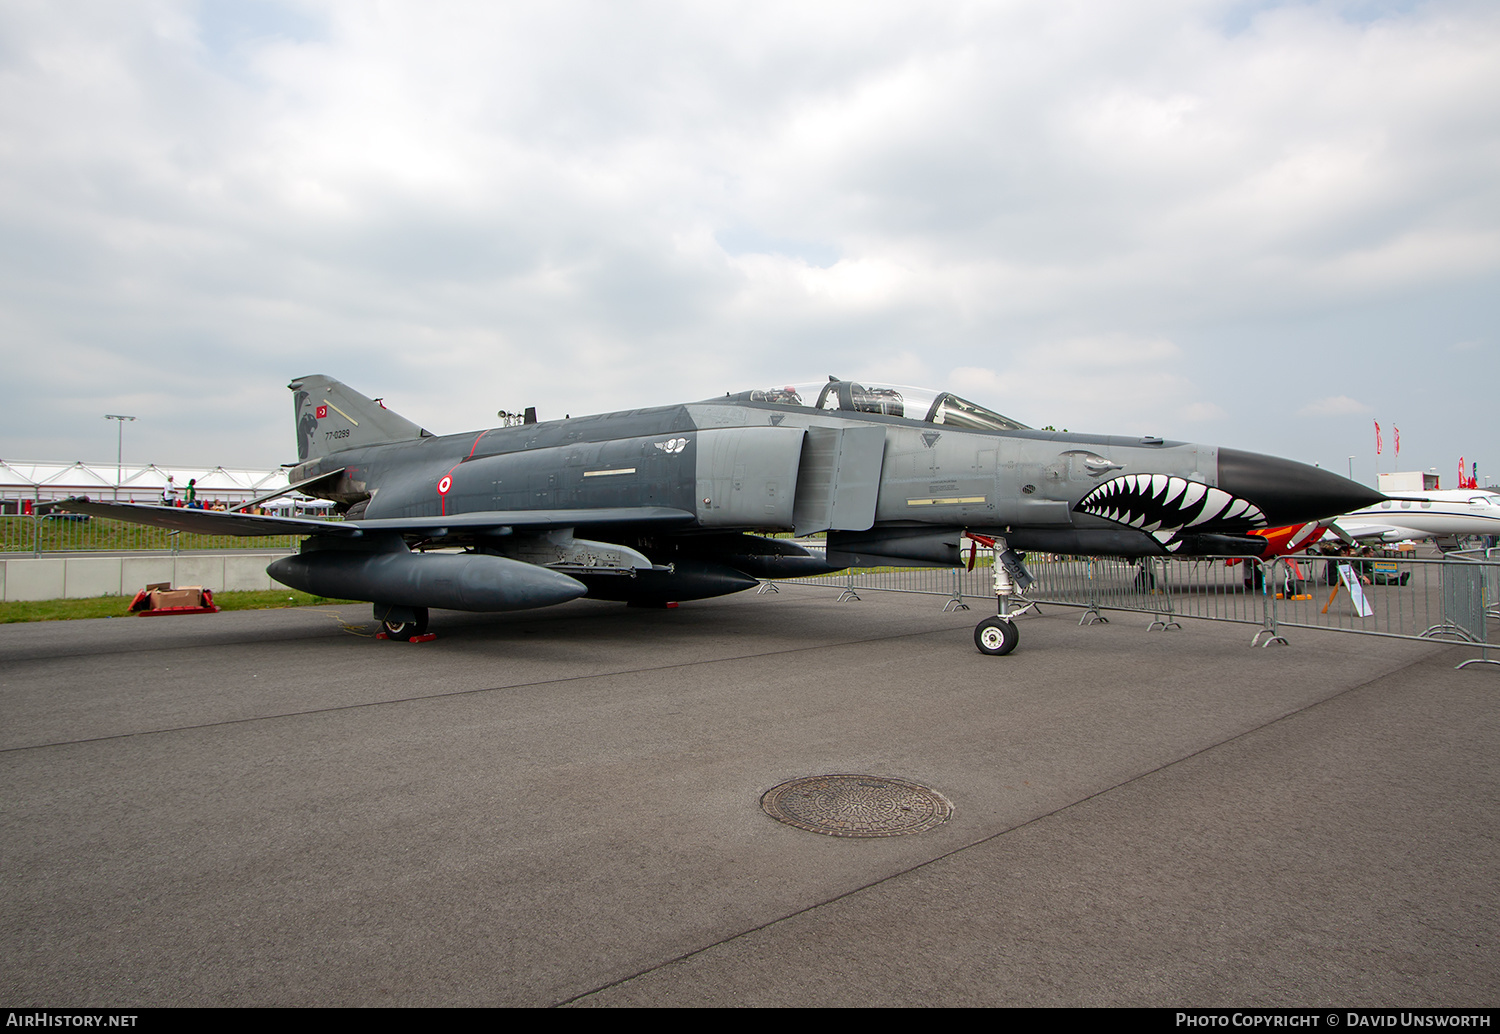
pixel 998 636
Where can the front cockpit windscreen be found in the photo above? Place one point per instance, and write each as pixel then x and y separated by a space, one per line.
pixel 925 404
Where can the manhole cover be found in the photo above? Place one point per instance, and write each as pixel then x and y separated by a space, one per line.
pixel 857 806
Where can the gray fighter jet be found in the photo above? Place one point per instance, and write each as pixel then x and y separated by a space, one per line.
pixel 649 506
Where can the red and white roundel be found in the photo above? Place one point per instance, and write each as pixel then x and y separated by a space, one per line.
pixel 444 485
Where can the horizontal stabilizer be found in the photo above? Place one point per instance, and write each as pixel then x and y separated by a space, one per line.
pixel 328 476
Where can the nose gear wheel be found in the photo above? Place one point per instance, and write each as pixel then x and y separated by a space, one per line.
pixel 996 636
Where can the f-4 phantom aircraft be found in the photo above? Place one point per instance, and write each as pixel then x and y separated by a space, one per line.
pixel 655 505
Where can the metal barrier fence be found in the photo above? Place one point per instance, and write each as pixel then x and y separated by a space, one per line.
pixel 1489 561
pixel 1164 588
pixel 78 533
pixel 1403 598
pixel 1454 598
pixel 1407 598
pixel 927 581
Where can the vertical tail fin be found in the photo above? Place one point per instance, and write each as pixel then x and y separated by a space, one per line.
pixel 331 417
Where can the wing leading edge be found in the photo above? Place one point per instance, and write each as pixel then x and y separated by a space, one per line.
pixel 245 525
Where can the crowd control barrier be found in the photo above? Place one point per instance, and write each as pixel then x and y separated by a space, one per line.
pixel 1454 599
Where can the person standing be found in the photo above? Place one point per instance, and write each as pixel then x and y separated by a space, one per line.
pixel 192 494
pixel 169 492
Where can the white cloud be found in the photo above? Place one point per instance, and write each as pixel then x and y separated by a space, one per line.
pixel 1119 217
pixel 1202 412
pixel 1106 384
pixel 1334 405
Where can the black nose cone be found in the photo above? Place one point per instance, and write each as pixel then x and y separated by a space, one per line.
pixel 1288 492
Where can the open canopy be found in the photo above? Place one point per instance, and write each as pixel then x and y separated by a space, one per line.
pixel 924 404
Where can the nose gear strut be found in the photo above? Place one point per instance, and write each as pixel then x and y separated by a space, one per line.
pixel 998 636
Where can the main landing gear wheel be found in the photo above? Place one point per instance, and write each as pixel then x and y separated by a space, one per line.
pixel 406 631
pixel 996 636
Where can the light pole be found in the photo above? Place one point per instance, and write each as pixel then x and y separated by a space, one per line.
pixel 120 453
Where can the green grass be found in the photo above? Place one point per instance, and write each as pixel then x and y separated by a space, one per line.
pixel 118 606
pixel 98 534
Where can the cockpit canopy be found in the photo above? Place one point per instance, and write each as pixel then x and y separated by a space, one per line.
pixel 925 404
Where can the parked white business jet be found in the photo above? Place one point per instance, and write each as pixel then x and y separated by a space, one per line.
pixel 1444 516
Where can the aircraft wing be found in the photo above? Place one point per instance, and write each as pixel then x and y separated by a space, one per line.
pixel 560 518
pixel 1353 531
pixel 211 522
pixel 217 522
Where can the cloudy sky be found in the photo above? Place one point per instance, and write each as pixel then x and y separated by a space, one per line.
pixel 1263 225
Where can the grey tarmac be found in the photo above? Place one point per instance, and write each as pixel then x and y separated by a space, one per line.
pixel 562 807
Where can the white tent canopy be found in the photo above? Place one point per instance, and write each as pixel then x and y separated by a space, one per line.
pixel 44 481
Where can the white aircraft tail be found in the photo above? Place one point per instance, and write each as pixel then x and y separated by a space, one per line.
pixel 331 417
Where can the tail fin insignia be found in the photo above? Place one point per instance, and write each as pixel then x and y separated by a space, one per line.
pixel 331 417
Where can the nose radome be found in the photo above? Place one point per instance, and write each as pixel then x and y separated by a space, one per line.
pixel 1289 492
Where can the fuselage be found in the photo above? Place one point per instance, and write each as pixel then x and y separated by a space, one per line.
pixel 653 506
pixel 1418 515
pixel 745 464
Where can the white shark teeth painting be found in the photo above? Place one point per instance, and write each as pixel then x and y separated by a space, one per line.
pixel 1165 503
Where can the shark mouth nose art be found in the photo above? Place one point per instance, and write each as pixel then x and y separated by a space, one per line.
pixel 1162 505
